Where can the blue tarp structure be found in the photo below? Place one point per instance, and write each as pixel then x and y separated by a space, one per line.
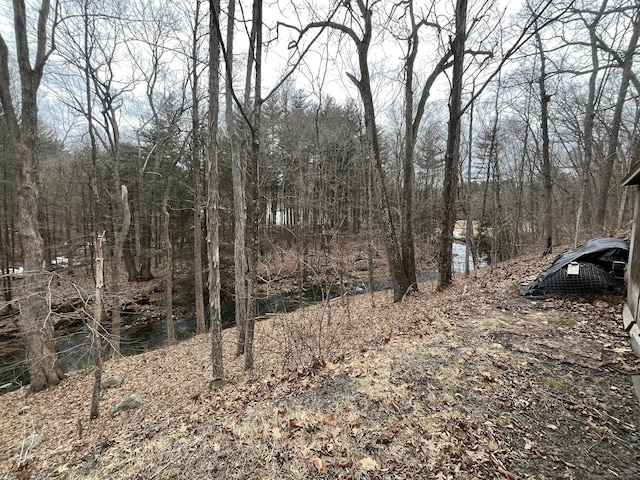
pixel 584 270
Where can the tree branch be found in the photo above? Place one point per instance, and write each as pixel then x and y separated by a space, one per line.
pixel 523 38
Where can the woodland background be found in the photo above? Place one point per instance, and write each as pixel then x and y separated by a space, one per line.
pixel 378 120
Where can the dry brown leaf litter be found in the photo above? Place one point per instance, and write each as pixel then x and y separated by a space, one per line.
pixel 474 382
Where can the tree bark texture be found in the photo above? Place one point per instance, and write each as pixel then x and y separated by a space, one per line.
pixel 589 120
pixel 407 238
pixel 400 282
pixel 197 184
pixel 254 171
pixel 238 169
pixel 96 325
pixel 452 154
pixel 34 322
pixel 213 247
pixel 120 234
pixel 547 212
pixel 168 288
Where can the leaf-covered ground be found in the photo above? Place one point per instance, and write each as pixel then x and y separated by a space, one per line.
pixel 473 382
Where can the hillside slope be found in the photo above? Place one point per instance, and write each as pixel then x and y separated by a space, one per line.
pixel 473 382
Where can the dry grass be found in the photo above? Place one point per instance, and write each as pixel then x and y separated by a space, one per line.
pixel 459 384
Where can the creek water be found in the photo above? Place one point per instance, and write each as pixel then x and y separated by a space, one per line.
pixel 143 332
pixel 146 332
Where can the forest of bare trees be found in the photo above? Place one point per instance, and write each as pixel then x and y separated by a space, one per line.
pixel 197 136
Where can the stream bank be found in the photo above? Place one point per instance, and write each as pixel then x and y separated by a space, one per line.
pixel 146 331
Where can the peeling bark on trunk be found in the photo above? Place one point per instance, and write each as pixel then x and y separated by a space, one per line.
pixel 96 325
pixel 34 321
pixel 217 377
pixel 238 168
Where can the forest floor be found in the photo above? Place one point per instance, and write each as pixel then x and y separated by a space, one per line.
pixel 474 382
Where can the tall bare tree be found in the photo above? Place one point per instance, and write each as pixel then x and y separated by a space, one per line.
pixel 238 168
pixel 452 154
pixel 625 61
pixel 168 286
pixel 362 16
pixel 196 166
pixel 250 111
pixel 254 176
pixel 589 115
pixel 93 47
pixel 413 120
pixel 213 240
pixel 545 170
pixel 34 322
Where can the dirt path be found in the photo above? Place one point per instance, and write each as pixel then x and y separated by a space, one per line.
pixel 475 382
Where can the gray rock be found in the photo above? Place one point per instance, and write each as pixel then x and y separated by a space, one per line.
pixel 132 402
pixel 112 382
pixel 32 441
pixel 24 409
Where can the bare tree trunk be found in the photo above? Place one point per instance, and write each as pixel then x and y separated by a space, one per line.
pixel 519 220
pixel 129 261
pixel 545 98
pixel 98 217
pixel 399 279
pixel 197 263
pixel 370 265
pixel 120 234
pixel 501 242
pixel 96 343
pixel 168 292
pixel 34 322
pixel 197 200
pixel 589 118
pixel 8 226
pixel 413 115
pixel 452 155
pixel 408 180
pixel 469 222
pixel 401 283
pixel 622 208
pixel 238 168
pixel 256 29
pixel 213 249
